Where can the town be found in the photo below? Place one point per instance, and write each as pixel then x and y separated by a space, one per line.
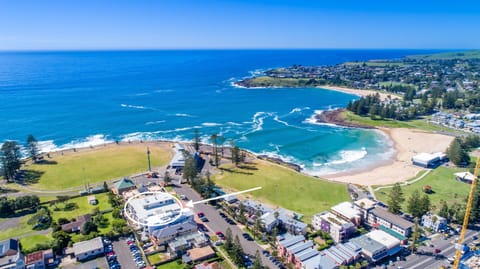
pixel 152 226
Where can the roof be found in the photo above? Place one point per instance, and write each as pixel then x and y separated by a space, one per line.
pixel 197 254
pixel 465 176
pixel 268 219
pixel 34 257
pixel 125 183
pixel 307 254
pixel 9 245
pixel 198 237
pixel 428 157
pixel 382 237
pixel 367 203
pixel 368 244
pixel 300 247
pixel 392 233
pixel 346 209
pixel 154 208
pixel 174 229
pixel 78 224
pixel 320 261
pixel 87 246
pixel 392 218
pixel 291 240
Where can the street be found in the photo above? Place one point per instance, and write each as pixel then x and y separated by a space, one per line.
pixel 217 223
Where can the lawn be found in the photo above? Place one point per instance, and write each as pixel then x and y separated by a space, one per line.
pixel 30 242
pixel 73 169
pixel 83 207
pixel 421 124
pixel 171 265
pixel 155 258
pixel 443 184
pixel 283 187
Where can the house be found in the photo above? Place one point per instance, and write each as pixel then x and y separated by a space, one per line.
pixel 428 160
pixel 167 234
pixel 206 265
pixel 35 260
pixel 178 160
pixel 199 254
pixel 295 248
pixel 10 255
pixel 434 222
pixel 92 200
pixel 76 226
pixel 122 186
pixel 269 221
pixel 179 245
pixel 371 249
pixel 88 249
pixel 347 211
pixel 466 177
pixel 378 216
pixel 338 228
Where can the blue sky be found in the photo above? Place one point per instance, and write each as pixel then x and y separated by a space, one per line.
pixel 203 24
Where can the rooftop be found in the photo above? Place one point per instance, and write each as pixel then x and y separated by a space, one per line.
pixel 368 244
pixel 87 246
pixel 346 209
pixel 34 257
pixel 200 253
pixel 155 208
pixel 124 183
pixel 394 219
pixel 389 241
pixel 365 203
pixel 9 245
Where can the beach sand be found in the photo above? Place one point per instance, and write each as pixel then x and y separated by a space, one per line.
pixel 407 143
pixel 358 92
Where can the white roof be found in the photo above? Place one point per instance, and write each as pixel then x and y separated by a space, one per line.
pixel 427 157
pixel 384 238
pixel 367 203
pixel 346 209
pixel 87 246
pixel 159 205
pixel 465 176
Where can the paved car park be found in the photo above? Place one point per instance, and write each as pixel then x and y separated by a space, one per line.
pixel 124 255
pixel 98 262
pixel 218 223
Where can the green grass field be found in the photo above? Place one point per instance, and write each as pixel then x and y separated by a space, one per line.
pixel 443 184
pixel 283 187
pixel 83 207
pixel 70 170
pixel 155 258
pixel 171 265
pixel 30 242
pixel 468 54
pixel 376 63
pixel 421 124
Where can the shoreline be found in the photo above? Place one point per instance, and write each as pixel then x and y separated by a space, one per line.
pixel 359 92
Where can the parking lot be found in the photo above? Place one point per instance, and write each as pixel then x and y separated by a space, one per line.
pixel 98 262
pixel 124 254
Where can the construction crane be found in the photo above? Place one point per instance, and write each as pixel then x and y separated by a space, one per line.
pixel 459 246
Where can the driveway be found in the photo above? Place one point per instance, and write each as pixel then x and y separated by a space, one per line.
pixel 98 262
pixel 217 223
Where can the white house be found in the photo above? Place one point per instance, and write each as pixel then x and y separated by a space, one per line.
pixel 88 249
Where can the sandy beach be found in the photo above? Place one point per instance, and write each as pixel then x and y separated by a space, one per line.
pixel 358 92
pixel 407 143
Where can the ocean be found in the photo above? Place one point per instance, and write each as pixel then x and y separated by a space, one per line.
pixel 82 98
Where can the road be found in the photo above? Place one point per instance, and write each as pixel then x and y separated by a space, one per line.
pixel 217 223
pixel 426 259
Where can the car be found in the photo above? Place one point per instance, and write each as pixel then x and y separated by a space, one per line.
pixel 222 215
pixel 247 237
pixel 204 219
pixel 218 243
pixel 266 253
pixel 200 214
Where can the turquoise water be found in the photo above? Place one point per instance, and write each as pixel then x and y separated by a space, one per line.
pixel 74 99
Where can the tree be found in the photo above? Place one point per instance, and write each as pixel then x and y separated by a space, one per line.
pixel 116 213
pixel 228 241
pixel 443 212
pixel 395 199
pixel 166 178
pixel 236 154
pixel 415 236
pixel 190 170
pixel 10 153
pixel 257 264
pixel 418 206
pixel 32 146
pixel 196 140
pixel 60 241
pixel 214 139
pixel 89 227
pixel 237 255
pixel 456 153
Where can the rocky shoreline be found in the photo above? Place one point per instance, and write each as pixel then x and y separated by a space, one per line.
pixel 335 117
pixel 281 162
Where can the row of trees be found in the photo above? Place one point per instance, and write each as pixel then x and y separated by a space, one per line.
pixel 11 156
pixel 417 204
pixel 458 150
pixel 9 206
pixel 235 251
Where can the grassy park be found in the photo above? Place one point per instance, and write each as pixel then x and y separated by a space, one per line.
pixel 29 242
pixel 443 184
pixel 283 187
pixel 72 169
pixel 60 210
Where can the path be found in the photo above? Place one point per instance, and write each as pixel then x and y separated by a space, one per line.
pixel 404 183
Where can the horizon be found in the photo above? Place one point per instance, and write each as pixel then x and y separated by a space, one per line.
pixel 251 25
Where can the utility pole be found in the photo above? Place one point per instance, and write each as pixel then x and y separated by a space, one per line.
pixel 148 157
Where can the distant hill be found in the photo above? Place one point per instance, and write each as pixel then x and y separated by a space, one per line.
pixel 468 54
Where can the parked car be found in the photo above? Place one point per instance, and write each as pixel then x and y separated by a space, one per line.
pixel 220 234
pixel 200 214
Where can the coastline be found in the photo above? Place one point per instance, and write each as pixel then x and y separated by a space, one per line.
pixel 359 92
pixel 407 143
